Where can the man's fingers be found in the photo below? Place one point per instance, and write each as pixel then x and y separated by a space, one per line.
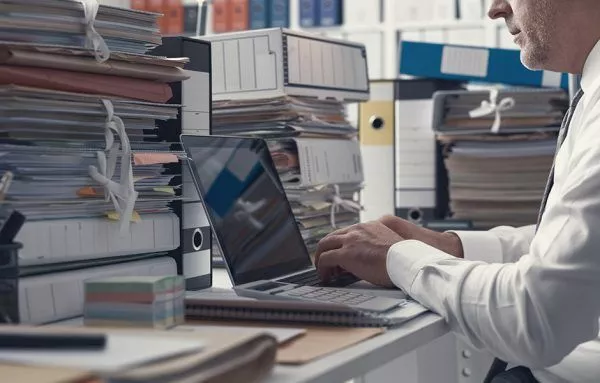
pixel 331 242
pixel 329 263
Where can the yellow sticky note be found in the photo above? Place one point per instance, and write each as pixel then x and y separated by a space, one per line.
pixel 115 216
pixel 165 189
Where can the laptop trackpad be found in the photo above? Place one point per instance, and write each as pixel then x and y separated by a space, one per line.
pixel 364 287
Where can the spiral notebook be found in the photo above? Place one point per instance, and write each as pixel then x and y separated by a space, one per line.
pixel 219 306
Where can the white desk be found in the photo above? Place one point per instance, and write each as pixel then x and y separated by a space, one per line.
pixel 358 360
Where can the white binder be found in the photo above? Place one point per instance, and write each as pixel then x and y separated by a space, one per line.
pixel 69 240
pixel 277 62
pixel 57 296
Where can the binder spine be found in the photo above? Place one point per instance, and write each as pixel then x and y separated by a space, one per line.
pixel 195 116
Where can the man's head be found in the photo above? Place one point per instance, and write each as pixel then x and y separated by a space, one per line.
pixel 553 34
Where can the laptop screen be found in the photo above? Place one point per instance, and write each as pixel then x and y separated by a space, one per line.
pixel 247 207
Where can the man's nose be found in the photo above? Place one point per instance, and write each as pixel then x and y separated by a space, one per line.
pixel 499 9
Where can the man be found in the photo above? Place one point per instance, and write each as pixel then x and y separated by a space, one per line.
pixel 531 295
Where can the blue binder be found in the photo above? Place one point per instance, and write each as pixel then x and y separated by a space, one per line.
pixel 259 14
pixel 309 13
pixel 330 12
pixel 280 13
pixel 475 64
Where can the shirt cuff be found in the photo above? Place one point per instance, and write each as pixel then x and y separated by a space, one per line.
pixel 406 259
pixel 481 246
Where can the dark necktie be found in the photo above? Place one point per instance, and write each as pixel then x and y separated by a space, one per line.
pixel 564 129
pixel 498 365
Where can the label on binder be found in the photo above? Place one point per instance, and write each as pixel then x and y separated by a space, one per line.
pixel 465 61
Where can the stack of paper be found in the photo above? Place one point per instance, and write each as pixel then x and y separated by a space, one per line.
pixel 51 153
pixel 315 151
pixel 80 112
pixel 68 23
pixel 498 157
pixel 283 116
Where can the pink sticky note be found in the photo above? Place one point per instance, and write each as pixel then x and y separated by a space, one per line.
pixel 154 158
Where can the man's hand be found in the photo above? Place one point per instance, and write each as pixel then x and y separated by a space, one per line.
pixel 360 250
pixel 447 242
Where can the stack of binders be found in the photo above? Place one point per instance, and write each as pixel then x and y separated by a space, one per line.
pixel 93 174
pixel 291 88
pixel 499 149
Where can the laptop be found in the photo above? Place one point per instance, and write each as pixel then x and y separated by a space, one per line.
pixel 256 232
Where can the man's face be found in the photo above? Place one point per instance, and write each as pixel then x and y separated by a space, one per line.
pixel 533 23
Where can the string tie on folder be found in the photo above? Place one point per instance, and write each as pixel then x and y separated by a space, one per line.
pixel 492 106
pixel 122 194
pixel 338 202
pixel 93 39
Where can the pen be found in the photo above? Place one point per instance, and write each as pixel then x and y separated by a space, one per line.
pixel 31 341
pixel 11 227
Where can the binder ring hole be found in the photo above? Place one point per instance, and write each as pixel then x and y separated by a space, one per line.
pixel 415 215
pixel 197 239
pixel 376 122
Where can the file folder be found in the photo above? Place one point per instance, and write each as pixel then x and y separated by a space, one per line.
pixel 463 63
pixel 71 240
pixel 278 62
pixel 376 133
pixel 259 13
pixel 190 19
pixel 194 118
pixel 239 15
pixel 309 13
pixel 174 17
pixel 53 297
pixel 404 172
pixel 330 12
pixel 279 13
pixel 221 16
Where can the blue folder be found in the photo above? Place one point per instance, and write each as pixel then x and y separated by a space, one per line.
pixel 498 66
pixel 279 13
pixel 330 12
pixel 309 13
pixel 259 14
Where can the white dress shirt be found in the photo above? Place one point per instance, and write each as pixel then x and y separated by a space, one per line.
pixel 530 299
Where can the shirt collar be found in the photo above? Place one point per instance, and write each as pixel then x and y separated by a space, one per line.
pixel 591 69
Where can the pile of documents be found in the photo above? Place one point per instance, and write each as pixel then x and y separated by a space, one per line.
pixel 499 151
pixel 315 151
pixel 92 147
pixel 60 160
pixel 78 23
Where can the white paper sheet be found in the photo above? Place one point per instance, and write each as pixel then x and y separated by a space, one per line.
pixel 122 351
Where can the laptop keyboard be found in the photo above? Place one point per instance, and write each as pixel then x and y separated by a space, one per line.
pixel 342 296
pixel 311 278
pixel 330 295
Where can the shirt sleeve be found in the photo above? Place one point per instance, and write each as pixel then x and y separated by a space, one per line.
pixel 536 310
pixel 499 245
